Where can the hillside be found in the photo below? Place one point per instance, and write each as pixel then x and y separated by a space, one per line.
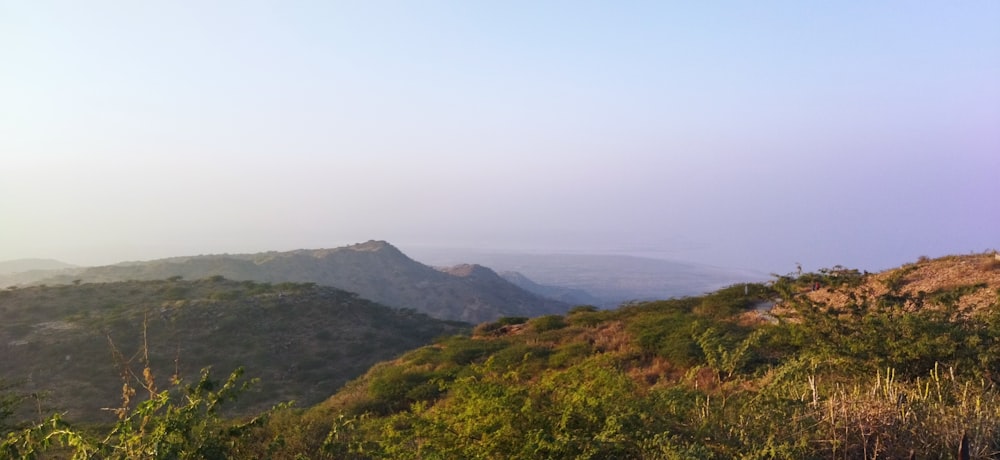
pixel 375 270
pixel 899 364
pixel 23 272
pixel 851 365
pixel 303 341
pixel 974 277
pixel 27 265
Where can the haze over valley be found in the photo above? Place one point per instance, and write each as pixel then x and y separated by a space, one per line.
pixel 731 135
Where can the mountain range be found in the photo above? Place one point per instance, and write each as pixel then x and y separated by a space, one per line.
pixel 375 270
pixel 450 284
pixel 604 280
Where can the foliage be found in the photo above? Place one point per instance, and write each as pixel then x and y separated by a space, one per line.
pixel 11 400
pixel 668 331
pixel 582 309
pixel 183 422
pixel 547 323
pixel 893 330
pixel 302 340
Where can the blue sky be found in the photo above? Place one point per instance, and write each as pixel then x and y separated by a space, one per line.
pixel 743 134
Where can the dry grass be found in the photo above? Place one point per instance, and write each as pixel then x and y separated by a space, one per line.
pixel 612 338
pixel 991 264
pixel 656 370
pixel 889 419
pixel 929 276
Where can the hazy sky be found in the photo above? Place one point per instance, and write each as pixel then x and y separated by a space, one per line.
pixel 745 134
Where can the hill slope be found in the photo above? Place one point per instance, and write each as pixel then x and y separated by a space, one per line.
pixel 850 364
pixel 25 265
pixel 847 365
pixel 303 341
pixel 974 277
pixel 375 270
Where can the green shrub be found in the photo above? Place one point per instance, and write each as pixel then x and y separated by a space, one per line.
pixel 182 422
pixel 395 388
pixel 510 320
pixel 582 309
pixel 519 354
pixel 570 353
pixel 488 328
pixel 590 316
pixel 669 335
pixel 547 323
pixel 463 350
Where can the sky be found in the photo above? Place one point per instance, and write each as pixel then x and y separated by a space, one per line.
pixel 755 135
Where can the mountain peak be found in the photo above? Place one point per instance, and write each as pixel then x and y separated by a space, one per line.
pixel 372 246
pixel 469 270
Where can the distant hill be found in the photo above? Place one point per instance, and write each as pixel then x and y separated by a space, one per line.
pixel 303 341
pixel 30 271
pixel 609 279
pixel 24 265
pixel 375 270
pixel 564 294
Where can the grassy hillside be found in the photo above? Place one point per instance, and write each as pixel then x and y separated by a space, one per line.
pixel 849 365
pixel 834 364
pixel 303 341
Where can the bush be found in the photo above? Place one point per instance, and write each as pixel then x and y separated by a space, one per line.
pixel 569 354
pixel 588 316
pixel 669 335
pixel 463 350
pixel 516 355
pixel 547 323
pixel 510 320
pixel 485 329
pixel 181 422
pixel 395 388
pixel 582 309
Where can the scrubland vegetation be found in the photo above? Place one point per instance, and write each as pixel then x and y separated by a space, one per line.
pixel 845 365
pixel 301 340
